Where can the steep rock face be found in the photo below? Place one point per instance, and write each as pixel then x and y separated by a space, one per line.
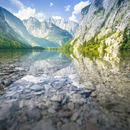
pixel 47 30
pixel 67 25
pixel 18 27
pixel 33 26
pixel 104 23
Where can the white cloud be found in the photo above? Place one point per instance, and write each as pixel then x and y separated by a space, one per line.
pixel 56 17
pixel 67 8
pixel 73 18
pixel 77 9
pixel 51 4
pixel 18 3
pixel 27 12
pixel 80 6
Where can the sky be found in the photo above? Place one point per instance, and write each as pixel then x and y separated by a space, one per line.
pixel 41 9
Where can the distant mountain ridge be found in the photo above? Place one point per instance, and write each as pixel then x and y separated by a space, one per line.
pixel 64 24
pixel 47 30
pixel 21 32
pixel 30 33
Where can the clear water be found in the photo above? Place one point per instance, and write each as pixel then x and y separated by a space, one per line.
pixel 48 91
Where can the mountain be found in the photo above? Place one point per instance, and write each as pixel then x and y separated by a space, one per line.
pixel 104 25
pixel 18 27
pixel 65 24
pixel 8 38
pixel 47 30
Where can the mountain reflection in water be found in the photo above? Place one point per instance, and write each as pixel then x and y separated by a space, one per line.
pixel 48 91
pixel 108 79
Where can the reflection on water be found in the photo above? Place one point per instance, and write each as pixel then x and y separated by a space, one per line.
pixel 108 79
pixel 6 55
pixel 10 67
pixel 47 92
pixel 14 64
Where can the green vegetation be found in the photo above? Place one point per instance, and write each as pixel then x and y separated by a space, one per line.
pixel 126 39
pixel 67 48
pixel 52 48
pixel 8 38
pixel 8 41
pixel 100 10
pixel 86 28
pixel 124 54
pixel 119 2
pixel 96 46
pixel 93 45
pixel 89 47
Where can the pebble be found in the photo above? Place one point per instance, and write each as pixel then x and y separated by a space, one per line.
pixel 57 98
pixel 66 114
pixel 90 86
pixel 19 68
pixel 91 126
pixel 94 94
pixel 7 82
pixel 51 110
pixel 44 125
pixel 75 116
pixel 44 112
pixel 59 124
pixel 22 119
pixel 70 126
pixel 34 114
pixel 25 127
pixel 36 88
pixel 79 121
pixel 71 105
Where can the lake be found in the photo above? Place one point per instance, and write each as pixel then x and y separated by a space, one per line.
pixel 45 90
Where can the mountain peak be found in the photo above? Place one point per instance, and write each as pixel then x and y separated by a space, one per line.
pixel 32 20
pixel 64 24
pixel 48 30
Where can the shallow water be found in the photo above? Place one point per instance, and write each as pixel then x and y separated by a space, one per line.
pixel 48 91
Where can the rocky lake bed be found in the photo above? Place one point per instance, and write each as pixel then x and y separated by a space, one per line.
pixel 46 94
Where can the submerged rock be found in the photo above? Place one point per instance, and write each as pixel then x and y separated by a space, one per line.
pixel 44 125
pixel 71 126
pixel 71 105
pixel 75 116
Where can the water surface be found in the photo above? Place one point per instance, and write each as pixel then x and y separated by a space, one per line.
pixel 48 91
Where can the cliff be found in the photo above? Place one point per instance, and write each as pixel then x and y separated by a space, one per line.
pixel 104 25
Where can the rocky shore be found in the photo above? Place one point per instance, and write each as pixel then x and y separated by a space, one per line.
pixel 52 103
pixel 45 102
pixel 9 73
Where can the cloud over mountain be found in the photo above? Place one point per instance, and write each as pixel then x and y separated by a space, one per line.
pixel 26 12
pixel 77 9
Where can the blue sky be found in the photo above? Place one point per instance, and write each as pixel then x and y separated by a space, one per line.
pixel 40 9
